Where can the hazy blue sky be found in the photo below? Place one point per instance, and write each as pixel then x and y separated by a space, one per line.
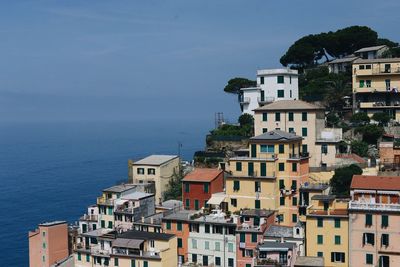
pixel 118 60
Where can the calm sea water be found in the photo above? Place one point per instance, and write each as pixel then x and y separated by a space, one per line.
pixel 53 171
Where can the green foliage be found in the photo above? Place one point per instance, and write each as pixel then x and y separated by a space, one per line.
pixel 234 85
pixel 341 180
pixel 308 50
pixel 332 120
pixel 231 130
pixel 371 133
pixel 174 187
pixel 384 41
pixel 381 117
pixel 360 118
pixel 360 148
pixel 246 119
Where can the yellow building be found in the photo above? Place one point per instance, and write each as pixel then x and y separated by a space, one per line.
pixel 156 169
pixel 376 84
pixel 270 177
pixel 327 225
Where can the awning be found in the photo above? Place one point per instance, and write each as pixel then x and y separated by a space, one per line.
pixel 273 249
pixel 216 199
pixel 127 243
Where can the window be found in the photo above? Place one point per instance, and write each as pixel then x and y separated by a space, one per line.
pixel 179 226
pixel 106 261
pixel 230 262
pixel 110 210
pixel 361 83
pixel 281 93
pixel 187 187
pixel 291 130
pixel 133 263
pixel 368 238
pixel 303 131
pixel 368 83
pixel 281 148
pixel 257 204
pixel 387 82
pixel 205 188
pixel 194 257
pixel 242 237
pixel 324 149
pixel 384 261
pixel 265 130
pixel 140 171
pixel 369 258
pixel 294 185
pixel 361 67
pixel 304 148
pixel 206 245
pixel 207 228
pixel 257 186
pixel 194 243
pixel 217 246
pixel 368 219
pixel 168 225
pixel 337 223
pixel 196 204
pixel 187 203
pixel 281 166
pixel 294 201
pixel 368 67
pixel 282 201
pixel 230 247
pixel 234 202
pixel 261 80
pixel 291 116
pixel 238 166
pixel 44 234
pixel 320 239
pixel 265 116
pixel 385 221
pixel 385 240
pixel 218 261
pixel 110 225
pixel 43 258
pixel 294 218
pixel 277 116
pixel 253 150
pixel 88 259
pixel 280 79
pixel 236 185
pixel 44 245
pixel 337 257
pixel 79 256
pixel 294 167
pixel 116 262
pixel 254 237
pixel 263 169
pixel 281 184
pixel 151 171
pixel 145 264
pixel 337 240
pixel 320 254
pixel 320 222
pixel 267 148
pixel 304 116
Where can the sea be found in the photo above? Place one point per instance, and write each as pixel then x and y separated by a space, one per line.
pixel 54 170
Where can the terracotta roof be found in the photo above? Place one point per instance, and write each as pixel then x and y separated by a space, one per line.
pixel 202 175
pixel 289 105
pixel 372 182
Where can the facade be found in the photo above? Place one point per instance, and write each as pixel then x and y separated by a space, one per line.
pixel 199 185
pixel 307 191
pixel 270 176
pixel 341 65
pixel 327 230
pixel 374 212
pixel 306 120
pixel 89 221
pixel 48 244
pixel 287 234
pixel 272 85
pixel 106 247
pixel 275 254
pixel 371 52
pixel 376 85
pixel 156 169
pixel 249 233
pixel 389 153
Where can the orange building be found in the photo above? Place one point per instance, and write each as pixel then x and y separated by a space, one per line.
pixel 48 244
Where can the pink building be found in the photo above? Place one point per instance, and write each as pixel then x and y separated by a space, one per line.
pixel 48 244
pixel 275 254
pixel 374 221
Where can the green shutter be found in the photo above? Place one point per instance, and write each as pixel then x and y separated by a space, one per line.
pixel 294 167
pixel 79 256
pixel 238 166
pixel 294 184
pixel 179 242
pixel 263 169
pixel 280 79
pixel 103 224
pixel 281 93
pixel 265 116
pixel 294 218
pixel 320 222
pixel 168 225
pixel 291 117
pixel 145 264
pixel 304 116
pixel 304 132
pixel 369 258
pixel 281 148
pixel 206 188
pixel 187 187
pixel 368 219
pixel 385 221
pixel 282 201
pixel 250 169
pixel 253 150
pixel 337 223
pixel 257 204
pixel 254 237
pixel 196 204
pixel 320 239
pixel 277 116
pixel 294 201
pixel 179 226
pixel 281 184
pixel 281 166
pixel 337 240
pixel 116 262
pixel 187 204
pixel 236 185
pixel 242 237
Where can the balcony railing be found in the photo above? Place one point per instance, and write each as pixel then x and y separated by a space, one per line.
pixel 379 104
pixel 264 100
pixel 302 155
pixel 90 217
pixel 99 251
pixel 244 100
pixel 104 201
pixel 373 206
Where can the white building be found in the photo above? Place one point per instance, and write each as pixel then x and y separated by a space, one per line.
pixel 272 85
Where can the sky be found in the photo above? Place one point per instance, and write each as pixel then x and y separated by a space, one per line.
pixel 118 60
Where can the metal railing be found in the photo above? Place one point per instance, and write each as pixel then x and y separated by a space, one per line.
pixel 373 206
pixel 263 100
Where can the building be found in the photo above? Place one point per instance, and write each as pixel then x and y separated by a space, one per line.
pixel 341 65
pixel 270 176
pixel 327 230
pixel 249 233
pixel 198 185
pixel 89 221
pixel 133 207
pixel 287 234
pixel 374 212
pixel 371 52
pixel 156 169
pixel 306 120
pixel 272 85
pixel 309 262
pixel 376 85
pixel 106 247
pixel 389 153
pixel 48 244
pixel 307 191
pixel 275 254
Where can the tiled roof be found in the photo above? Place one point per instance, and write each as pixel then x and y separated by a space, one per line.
pixel 370 48
pixel 257 212
pixel 376 60
pixel 202 175
pixel 119 188
pixel 372 182
pixel 279 231
pixel 155 160
pixel 344 59
pixel 289 105
pixel 277 135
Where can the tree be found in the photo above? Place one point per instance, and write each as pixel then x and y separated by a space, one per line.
pixel 338 86
pixel 246 119
pixel 332 120
pixel 371 133
pixel 381 117
pixel 174 187
pixel 360 118
pixel 360 148
pixel 234 85
pixel 341 180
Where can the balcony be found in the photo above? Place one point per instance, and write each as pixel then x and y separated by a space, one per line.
pixel 244 100
pixel 373 206
pixel 302 155
pixel 104 201
pixel 379 104
pixel 91 218
pixel 378 71
pixel 265 100
pixel 96 251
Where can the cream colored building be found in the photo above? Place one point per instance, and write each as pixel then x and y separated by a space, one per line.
pixel 327 226
pixel 156 169
pixel 303 119
pixel 376 84
pixel 270 177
